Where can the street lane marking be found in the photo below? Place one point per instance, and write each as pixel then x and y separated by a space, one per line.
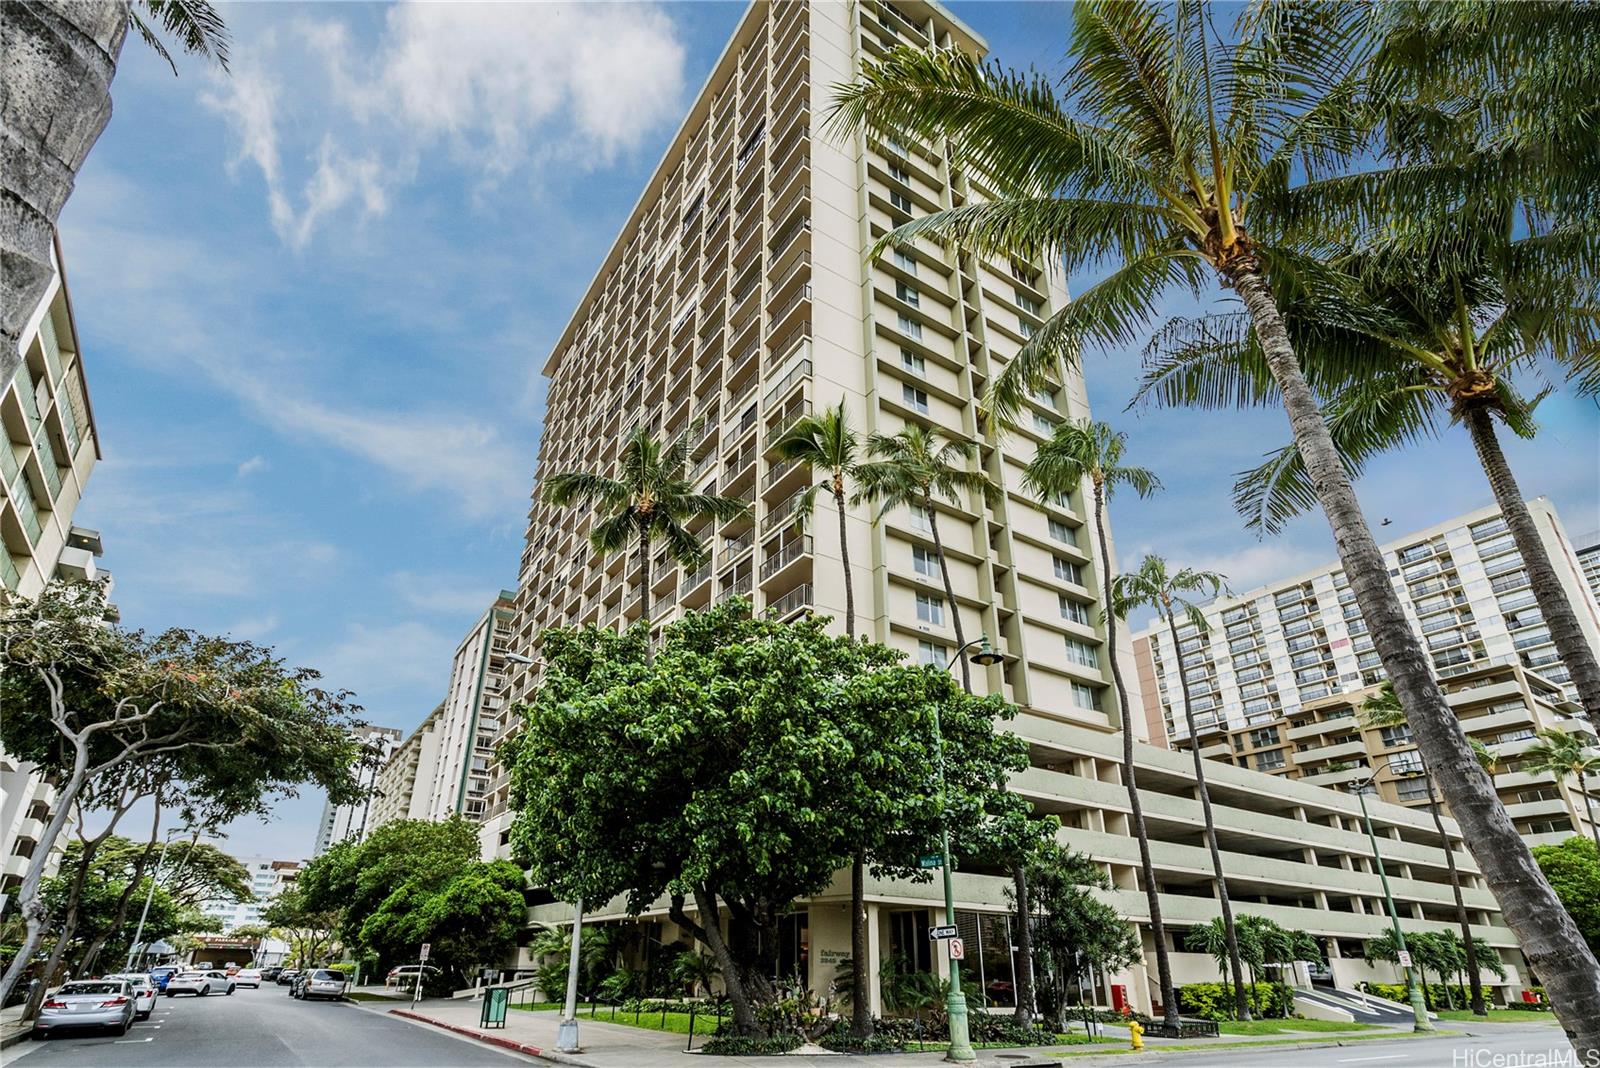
pixel 1359 1060
pixel 125 1041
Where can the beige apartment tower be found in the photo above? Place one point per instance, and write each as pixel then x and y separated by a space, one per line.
pixel 737 298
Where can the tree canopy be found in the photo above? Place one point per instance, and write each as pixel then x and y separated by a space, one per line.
pixel 742 768
pixel 1573 868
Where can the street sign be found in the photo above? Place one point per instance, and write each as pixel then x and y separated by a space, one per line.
pixel 936 933
pixel 958 950
pixel 426 946
pixel 1405 959
pixel 931 860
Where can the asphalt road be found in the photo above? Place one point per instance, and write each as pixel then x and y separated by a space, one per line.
pixel 263 1027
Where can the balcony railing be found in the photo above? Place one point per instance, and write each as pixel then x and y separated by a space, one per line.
pixel 795 599
pixel 787 554
pixel 800 371
pixel 735 587
pixel 782 513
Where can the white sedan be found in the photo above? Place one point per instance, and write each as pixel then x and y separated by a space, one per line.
pixel 144 993
pixel 199 983
pixel 248 977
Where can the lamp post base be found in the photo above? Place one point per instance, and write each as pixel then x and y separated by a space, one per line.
pixel 567 1037
pixel 1419 1007
pixel 960 1042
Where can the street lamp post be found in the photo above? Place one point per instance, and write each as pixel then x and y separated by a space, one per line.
pixel 138 932
pixel 955 1000
pixel 1419 1007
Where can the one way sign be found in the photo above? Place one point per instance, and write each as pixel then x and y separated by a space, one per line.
pixel 946 931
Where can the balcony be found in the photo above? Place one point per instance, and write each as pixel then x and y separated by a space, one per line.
pixel 1337 751
pixel 799 373
pixel 794 601
pixel 1319 727
pixel 781 515
pixel 786 554
pixel 734 586
pixel 1354 773
pixel 780 423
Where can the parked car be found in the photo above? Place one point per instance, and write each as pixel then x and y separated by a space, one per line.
pixel 161 973
pixel 247 977
pixel 202 966
pixel 287 976
pixel 144 993
pixel 321 983
pixel 199 983
pixel 406 975
pixel 101 1003
pixel 270 975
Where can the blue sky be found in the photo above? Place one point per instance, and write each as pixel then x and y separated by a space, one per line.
pixel 314 298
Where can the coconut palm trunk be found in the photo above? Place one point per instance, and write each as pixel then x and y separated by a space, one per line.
pixel 1550 939
pixel 644 591
pixel 59 60
pixel 1479 1006
pixel 1241 997
pixel 949 590
pixel 844 558
pixel 1024 964
pixel 1554 604
pixel 1169 996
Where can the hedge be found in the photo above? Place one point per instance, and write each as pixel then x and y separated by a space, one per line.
pixel 1214 1001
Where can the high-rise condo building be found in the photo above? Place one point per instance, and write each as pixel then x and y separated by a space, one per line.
pixel 48 446
pixel 267 879
pixel 473 711
pixel 349 823
pixel 414 762
pixel 1276 683
pixel 1589 564
pixel 737 298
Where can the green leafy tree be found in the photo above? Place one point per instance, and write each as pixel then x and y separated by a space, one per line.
pixel 728 772
pixel 214 728
pixel 1155 586
pixel 1190 159
pixel 1567 756
pixel 470 919
pixel 650 500
pixel 195 872
pixel 1079 451
pixel 828 443
pixel 917 468
pixel 1074 931
pixel 1573 868
pixel 59 63
pixel 1383 709
pixel 312 932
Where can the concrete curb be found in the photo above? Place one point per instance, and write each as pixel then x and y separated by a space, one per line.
pixel 493 1039
pixel 7 1041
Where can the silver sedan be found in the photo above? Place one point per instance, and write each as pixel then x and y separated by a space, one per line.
pixel 102 1003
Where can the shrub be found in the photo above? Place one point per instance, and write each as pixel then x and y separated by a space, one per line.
pixel 346 968
pixel 1214 1001
pixel 740 1046
pixel 994 1030
pixel 1399 992
pixel 840 1040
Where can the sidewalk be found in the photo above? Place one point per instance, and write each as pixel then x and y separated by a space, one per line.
pixel 12 1027
pixel 607 1045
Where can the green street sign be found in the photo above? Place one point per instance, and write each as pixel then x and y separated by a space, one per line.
pixel 932 860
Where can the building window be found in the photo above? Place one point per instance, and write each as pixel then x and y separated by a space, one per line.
pixel 910 327
pixel 1067 571
pixel 1044 424
pixel 901 201
pixel 919 518
pixel 1027 303
pixel 1415 789
pixel 1085 697
pixel 905 261
pixel 913 362
pixel 931 654
pixel 1271 760
pixel 1082 653
pixel 930 609
pixel 1063 533
pixel 1024 327
pixel 1076 611
pixel 899 173
pixel 1263 737
pixel 908 294
pixel 1396 736
pixel 924 561
pixel 914 398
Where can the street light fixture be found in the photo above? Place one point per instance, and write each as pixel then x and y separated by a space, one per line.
pixel 955 1001
pixel 567 1031
pixel 138 932
pixel 1419 1007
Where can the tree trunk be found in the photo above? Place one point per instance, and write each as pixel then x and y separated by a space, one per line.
pixel 710 931
pixel 644 594
pixel 69 924
pixel 1241 1000
pixel 1024 1013
pixel 949 593
pixel 1478 1006
pixel 28 902
pixel 92 954
pixel 1550 939
pixel 1576 652
pixel 844 561
pixel 59 59
pixel 860 960
pixel 1169 997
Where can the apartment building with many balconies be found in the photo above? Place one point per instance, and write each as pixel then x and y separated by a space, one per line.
pixel 737 298
pixel 413 762
pixel 1589 564
pixel 349 822
pixel 1276 681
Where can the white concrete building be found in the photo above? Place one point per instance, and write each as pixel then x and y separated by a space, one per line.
pixel 472 716
pixel 413 763
pixel 1589 564
pixel 737 298
pixel 342 823
pixel 267 877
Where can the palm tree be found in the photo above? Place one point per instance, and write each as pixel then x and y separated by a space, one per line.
pixel 1425 338
pixel 1564 754
pixel 1154 586
pixel 1191 159
pixel 916 468
pixel 59 60
pixel 1093 451
pixel 827 441
pixel 650 500
pixel 1383 709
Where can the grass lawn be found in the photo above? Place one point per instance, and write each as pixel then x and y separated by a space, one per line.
pixel 1498 1016
pixel 1279 1027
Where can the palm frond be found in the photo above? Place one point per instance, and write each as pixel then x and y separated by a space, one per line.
pixel 196 24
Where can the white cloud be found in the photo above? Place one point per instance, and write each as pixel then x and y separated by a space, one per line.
pixel 388 657
pixel 503 86
pixel 1255 565
pixel 441 594
pixel 251 466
